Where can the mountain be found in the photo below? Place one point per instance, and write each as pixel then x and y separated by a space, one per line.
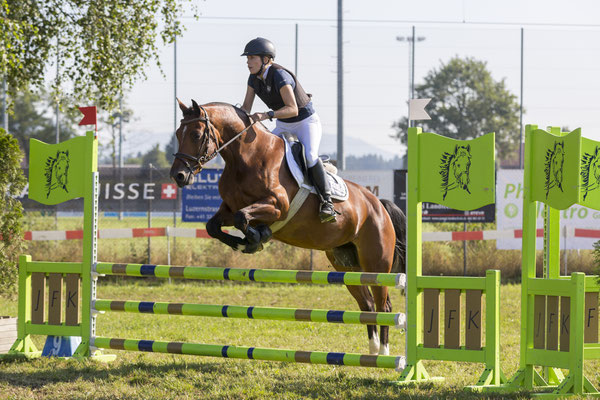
pixel 355 147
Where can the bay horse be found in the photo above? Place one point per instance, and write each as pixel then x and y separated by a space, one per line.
pixel 257 187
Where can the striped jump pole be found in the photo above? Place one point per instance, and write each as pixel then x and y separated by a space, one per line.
pixel 252 353
pixel 254 275
pixel 266 313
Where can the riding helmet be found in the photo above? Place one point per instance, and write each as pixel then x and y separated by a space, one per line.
pixel 259 47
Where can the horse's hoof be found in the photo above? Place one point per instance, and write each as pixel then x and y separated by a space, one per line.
pixel 253 235
pixel 252 248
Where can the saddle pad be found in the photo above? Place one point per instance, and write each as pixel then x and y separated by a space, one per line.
pixel 339 190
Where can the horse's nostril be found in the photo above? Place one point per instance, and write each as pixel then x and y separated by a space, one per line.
pixel 180 177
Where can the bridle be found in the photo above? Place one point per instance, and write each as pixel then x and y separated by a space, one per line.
pixel 207 138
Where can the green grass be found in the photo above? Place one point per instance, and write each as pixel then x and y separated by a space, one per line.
pixel 158 376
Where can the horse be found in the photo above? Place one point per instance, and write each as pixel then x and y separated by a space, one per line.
pixel 455 168
pixel 555 159
pixel 257 187
pixel 590 171
pixel 57 169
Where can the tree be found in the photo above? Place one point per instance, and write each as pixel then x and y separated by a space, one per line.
pixel 29 120
pixel 466 103
pixel 156 157
pixel 102 45
pixel 12 183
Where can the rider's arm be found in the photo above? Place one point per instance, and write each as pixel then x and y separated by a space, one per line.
pixel 248 100
pixel 290 109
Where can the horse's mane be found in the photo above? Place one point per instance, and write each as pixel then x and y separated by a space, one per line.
pixel 586 163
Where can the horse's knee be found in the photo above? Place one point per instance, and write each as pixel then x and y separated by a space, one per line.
pixel 240 221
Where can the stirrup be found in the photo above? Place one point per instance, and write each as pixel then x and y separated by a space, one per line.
pixel 327 213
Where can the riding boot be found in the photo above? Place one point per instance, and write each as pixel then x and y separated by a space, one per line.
pixel 318 177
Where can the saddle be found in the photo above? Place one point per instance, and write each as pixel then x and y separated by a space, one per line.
pixel 296 161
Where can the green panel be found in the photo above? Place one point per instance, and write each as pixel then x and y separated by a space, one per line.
pixel 545 287
pixel 451 282
pixel 54 330
pixel 457 173
pixel 442 354
pixel 555 168
pixel 54 267
pixel 590 173
pixel 549 358
pixel 57 172
pixel 591 351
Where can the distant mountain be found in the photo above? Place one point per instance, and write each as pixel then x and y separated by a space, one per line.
pixel 354 147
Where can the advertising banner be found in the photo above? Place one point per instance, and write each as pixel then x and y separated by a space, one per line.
pixel 132 193
pixel 509 202
pixel 437 213
pixel 201 200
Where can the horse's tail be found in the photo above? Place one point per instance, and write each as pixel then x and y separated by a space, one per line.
pixel 399 222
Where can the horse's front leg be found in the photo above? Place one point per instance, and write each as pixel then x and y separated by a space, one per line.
pixel 224 217
pixel 261 213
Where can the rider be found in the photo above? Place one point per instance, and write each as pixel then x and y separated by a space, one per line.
pixel 280 90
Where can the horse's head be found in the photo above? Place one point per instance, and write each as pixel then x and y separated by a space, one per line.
pixel 461 165
pixel 595 165
pixel 61 168
pixel 197 141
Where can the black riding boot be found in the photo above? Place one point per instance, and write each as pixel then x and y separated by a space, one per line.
pixel 318 177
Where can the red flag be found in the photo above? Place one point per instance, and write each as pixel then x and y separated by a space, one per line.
pixel 89 115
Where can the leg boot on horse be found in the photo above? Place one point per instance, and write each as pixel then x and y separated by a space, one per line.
pixel 318 176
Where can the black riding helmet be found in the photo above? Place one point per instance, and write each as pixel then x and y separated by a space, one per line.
pixel 259 47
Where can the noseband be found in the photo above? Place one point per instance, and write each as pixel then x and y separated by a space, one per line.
pixel 207 137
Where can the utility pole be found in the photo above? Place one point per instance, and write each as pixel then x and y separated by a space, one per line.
pixel 296 59
pixel 411 40
pixel 341 165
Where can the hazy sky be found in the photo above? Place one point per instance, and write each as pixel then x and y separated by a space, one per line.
pixel 561 59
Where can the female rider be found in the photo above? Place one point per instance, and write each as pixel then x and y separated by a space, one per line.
pixel 280 90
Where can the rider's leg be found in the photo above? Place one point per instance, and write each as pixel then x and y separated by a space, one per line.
pixel 309 133
pixel 319 178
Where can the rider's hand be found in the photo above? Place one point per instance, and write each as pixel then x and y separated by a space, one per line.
pixel 259 116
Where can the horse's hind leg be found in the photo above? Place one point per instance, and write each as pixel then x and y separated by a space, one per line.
pixel 375 247
pixel 363 297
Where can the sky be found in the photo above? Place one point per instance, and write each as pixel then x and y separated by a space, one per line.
pixel 561 73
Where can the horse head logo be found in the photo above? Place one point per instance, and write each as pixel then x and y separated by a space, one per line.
pixel 555 158
pixel 590 171
pixel 57 169
pixel 454 169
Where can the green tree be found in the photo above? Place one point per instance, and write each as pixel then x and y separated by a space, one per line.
pixel 102 45
pixel 12 183
pixel 156 157
pixel 30 119
pixel 466 103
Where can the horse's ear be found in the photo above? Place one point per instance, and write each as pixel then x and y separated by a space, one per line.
pixel 184 109
pixel 196 108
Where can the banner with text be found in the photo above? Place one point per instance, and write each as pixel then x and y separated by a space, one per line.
pixel 509 206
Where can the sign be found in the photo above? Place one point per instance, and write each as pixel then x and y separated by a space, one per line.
pixel 378 182
pixel 437 213
pixel 132 193
pixel 169 191
pixel 509 199
pixel 201 200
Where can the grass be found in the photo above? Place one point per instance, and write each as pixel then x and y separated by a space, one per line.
pixel 158 376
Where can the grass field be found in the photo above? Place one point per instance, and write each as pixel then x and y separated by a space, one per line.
pixel 157 376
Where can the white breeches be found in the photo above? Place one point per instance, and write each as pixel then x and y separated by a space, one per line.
pixel 309 132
